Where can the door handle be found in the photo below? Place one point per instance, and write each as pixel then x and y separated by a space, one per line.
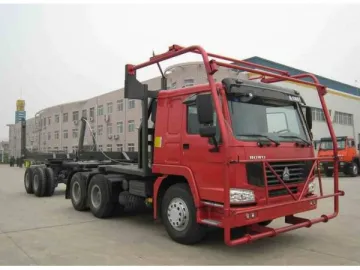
pixel 186 146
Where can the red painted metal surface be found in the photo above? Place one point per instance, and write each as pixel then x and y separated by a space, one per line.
pixel 228 216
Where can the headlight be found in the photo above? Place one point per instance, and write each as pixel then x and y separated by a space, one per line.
pixel 311 187
pixel 241 196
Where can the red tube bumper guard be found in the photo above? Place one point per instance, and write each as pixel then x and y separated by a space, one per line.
pixel 236 216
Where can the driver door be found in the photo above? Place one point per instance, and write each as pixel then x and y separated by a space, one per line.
pixel 206 166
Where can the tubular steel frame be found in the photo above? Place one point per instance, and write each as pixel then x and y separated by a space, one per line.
pixel 274 75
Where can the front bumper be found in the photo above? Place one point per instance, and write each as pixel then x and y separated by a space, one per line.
pixel 238 218
pixel 343 166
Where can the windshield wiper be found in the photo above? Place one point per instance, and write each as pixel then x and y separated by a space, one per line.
pixel 295 137
pixel 260 135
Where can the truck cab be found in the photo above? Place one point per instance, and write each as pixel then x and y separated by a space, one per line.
pixel 347 153
pixel 261 122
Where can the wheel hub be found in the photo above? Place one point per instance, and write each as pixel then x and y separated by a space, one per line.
pixel 355 170
pixel 76 191
pixel 96 196
pixel 178 214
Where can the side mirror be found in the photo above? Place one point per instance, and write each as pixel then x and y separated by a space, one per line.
pixel 308 115
pixel 205 109
pixel 208 131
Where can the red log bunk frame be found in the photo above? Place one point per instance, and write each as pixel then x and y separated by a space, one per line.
pixel 274 75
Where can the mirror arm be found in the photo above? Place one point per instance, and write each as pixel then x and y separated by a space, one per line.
pixel 216 145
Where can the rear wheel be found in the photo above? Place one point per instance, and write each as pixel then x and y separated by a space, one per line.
pixel 179 215
pixel 78 192
pixel 99 199
pixel 28 180
pixel 50 181
pixel 39 181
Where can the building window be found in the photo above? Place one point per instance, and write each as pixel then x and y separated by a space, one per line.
pixel 100 130
pixel 84 113
pixel 75 133
pixel 65 134
pixel 57 118
pixel 119 127
pixel 109 148
pixel 49 135
pixel 74 148
pixel 75 116
pixel 120 105
pixel 92 112
pixel 109 129
pixel 131 125
pixel 56 149
pixel 119 147
pixel 100 110
pixel 188 82
pixel 49 149
pixel 318 114
pixel 65 117
pixel 343 119
pixel 65 149
pixel 56 135
pixel 131 147
pixel 49 120
pixel 131 103
pixel 100 148
pixel 110 108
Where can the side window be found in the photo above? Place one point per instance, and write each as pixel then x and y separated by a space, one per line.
pixel 350 143
pixel 193 124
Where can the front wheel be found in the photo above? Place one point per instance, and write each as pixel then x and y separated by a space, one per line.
pixel 354 169
pixel 179 215
pixel 328 172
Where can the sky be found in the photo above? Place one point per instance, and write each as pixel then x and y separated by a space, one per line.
pixel 52 54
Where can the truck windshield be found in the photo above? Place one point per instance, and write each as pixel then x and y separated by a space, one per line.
pixel 276 119
pixel 328 145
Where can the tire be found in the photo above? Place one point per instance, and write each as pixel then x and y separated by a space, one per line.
pixel 102 206
pixel 39 181
pixel 78 194
pixel 354 170
pixel 28 180
pixel 328 172
pixel 50 182
pixel 178 197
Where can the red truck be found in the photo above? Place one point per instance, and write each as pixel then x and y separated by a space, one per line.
pixel 230 154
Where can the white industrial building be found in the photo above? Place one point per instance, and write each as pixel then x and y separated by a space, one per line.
pixel 115 119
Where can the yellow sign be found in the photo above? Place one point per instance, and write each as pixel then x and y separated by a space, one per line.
pixel 20 105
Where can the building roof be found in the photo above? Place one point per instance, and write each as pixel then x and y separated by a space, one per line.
pixel 335 85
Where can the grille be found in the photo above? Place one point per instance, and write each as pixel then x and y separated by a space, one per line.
pixel 297 172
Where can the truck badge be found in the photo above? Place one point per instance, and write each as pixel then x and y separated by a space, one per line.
pixel 286 174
